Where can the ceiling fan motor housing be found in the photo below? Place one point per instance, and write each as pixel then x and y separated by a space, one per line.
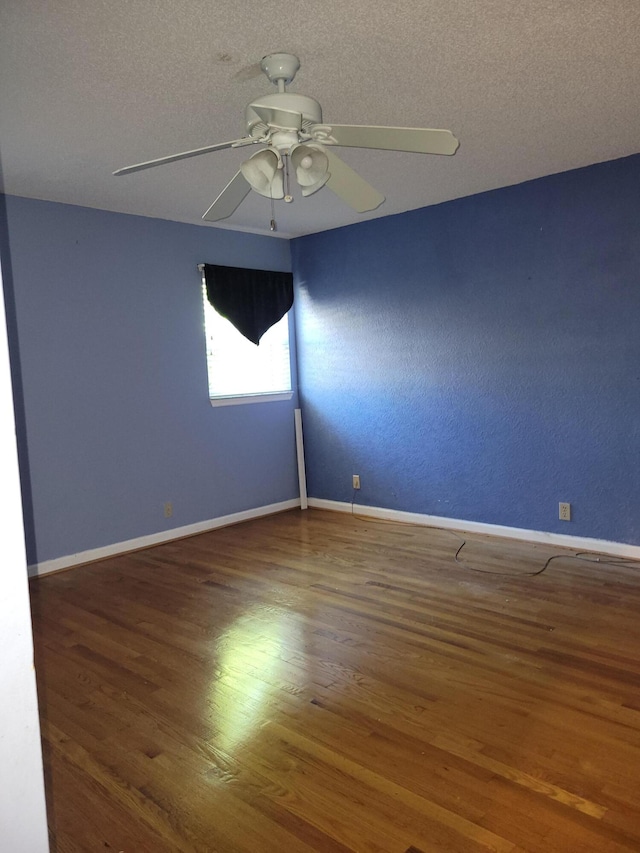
pixel 309 108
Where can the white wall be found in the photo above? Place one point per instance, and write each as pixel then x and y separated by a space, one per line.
pixel 23 820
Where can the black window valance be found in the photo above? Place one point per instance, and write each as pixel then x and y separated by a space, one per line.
pixel 253 300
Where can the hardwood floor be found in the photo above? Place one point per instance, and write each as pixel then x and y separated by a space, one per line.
pixel 316 682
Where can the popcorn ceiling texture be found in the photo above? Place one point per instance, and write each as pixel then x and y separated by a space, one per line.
pixel 530 88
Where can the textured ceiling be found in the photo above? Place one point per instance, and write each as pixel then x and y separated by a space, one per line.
pixel 530 88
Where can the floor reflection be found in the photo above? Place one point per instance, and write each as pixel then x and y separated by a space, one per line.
pixel 251 668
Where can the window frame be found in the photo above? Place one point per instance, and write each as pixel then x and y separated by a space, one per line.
pixel 254 397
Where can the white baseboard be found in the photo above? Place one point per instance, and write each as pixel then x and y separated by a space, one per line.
pixel 57 565
pixel 576 543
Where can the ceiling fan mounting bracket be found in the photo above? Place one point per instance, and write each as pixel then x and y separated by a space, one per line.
pixel 280 67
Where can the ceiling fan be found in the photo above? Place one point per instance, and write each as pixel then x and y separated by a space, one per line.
pixel 291 127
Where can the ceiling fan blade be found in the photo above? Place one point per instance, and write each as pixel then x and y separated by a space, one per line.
pixel 236 143
pixel 229 199
pixel 278 117
pixel 419 139
pixel 350 187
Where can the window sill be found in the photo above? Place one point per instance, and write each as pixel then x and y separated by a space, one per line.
pixel 250 398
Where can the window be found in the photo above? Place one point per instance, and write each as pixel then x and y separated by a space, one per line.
pixel 241 372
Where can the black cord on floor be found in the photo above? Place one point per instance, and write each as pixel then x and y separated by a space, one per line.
pixel 581 556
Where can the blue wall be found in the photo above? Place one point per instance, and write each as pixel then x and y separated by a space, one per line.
pixel 480 359
pixel 110 342
pixel 476 360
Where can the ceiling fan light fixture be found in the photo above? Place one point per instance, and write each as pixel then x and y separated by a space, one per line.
pixel 263 173
pixel 311 166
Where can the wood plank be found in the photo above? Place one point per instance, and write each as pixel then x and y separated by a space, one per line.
pixel 318 682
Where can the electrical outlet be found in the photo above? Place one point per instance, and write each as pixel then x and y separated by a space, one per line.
pixel 168 509
pixel 564 511
pixel 356 481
